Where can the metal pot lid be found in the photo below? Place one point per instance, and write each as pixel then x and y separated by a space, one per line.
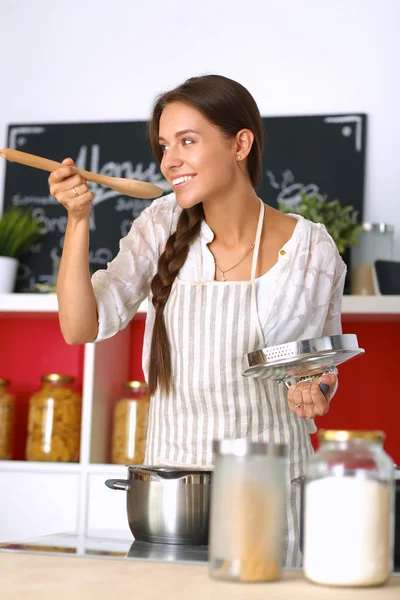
pixel 301 358
pixel 156 472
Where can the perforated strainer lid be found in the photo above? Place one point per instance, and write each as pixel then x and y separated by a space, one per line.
pixel 301 358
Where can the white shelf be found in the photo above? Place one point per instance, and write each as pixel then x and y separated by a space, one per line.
pixel 47 303
pixel 41 303
pixel 60 467
pixel 39 466
pixel 37 303
pixel 368 305
pixel 372 309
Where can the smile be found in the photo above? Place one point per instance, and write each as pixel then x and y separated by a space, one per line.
pixel 180 182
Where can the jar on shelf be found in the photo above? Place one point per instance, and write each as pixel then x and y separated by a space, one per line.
pixel 130 419
pixel 54 421
pixel 6 419
pixel 375 242
pixel 348 510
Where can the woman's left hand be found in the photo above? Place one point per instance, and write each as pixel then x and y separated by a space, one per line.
pixel 306 399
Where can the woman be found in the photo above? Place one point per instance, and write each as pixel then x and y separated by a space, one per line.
pixel 226 275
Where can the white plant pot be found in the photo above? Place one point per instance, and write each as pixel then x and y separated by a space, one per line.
pixel 8 274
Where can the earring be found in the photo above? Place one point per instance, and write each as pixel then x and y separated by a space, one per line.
pixel 239 157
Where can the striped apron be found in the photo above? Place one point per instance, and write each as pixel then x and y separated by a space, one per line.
pixel 211 327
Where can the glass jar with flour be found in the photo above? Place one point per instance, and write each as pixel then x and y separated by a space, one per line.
pixel 348 510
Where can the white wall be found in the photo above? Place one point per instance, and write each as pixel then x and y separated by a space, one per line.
pixel 107 59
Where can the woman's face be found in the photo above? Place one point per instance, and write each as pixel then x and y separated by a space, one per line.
pixel 197 160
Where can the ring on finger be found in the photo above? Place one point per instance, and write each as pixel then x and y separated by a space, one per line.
pixel 75 192
pixel 298 405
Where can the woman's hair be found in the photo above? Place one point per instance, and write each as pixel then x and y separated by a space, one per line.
pixel 229 106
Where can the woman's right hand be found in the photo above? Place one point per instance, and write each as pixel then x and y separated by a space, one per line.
pixel 62 182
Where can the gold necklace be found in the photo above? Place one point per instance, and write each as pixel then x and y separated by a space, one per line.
pixel 223 278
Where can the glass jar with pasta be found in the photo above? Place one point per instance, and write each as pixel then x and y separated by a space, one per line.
pixel 130 420
pixel 6 419
pixel 54 421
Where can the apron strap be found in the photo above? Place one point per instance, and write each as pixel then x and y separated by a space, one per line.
pixel 254 308
pixel 257 242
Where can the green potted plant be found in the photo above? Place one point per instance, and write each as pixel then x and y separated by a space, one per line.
pixel 340 221
pixel 18 231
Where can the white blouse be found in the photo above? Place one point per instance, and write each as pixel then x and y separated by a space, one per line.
pixel 298 298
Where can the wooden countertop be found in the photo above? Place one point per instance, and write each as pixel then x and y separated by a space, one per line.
pixel 42 577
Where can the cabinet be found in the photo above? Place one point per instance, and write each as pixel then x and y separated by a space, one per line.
pixel 35 501
pixel 40 498
pixel 106 509
pixel 48 498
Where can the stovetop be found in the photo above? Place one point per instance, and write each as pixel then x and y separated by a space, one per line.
pixel 112 545
pixel 108 544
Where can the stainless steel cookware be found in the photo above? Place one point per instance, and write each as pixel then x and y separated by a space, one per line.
pixel 303 360
pixel 166 505
pixel 168 552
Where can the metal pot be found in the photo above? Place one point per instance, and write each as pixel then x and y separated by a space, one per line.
pixel 166 505
pixel 300 482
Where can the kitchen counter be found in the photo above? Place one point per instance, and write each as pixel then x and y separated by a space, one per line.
pixel 109 565
pixel 42 577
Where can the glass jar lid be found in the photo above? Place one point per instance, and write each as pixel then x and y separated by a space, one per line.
pixel 57 378
pixel 243 447
pixel 345 435
pixel 134 385
pixel 4 381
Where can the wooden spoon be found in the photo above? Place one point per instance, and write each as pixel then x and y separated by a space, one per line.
pixel 128 187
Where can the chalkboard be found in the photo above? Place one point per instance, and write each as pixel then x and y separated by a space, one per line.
pixel 322 154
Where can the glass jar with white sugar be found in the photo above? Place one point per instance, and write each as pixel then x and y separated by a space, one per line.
pixel 348 510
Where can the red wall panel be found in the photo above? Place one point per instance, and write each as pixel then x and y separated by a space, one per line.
pixel 367 398
pixel 137 333
pixel 29 348
pixel 368 395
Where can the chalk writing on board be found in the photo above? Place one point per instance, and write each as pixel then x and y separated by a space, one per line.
pixel 101 256
pixel 289 189
pixel 49 224
pixel 18 200
pixel 115 169
pixel 133 205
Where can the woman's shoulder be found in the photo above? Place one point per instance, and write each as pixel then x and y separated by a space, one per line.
pixel 162 210
pixel 318 242
pixel 158 219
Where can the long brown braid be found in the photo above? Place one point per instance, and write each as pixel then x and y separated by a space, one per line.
pixel 169 265
pixel 231 107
